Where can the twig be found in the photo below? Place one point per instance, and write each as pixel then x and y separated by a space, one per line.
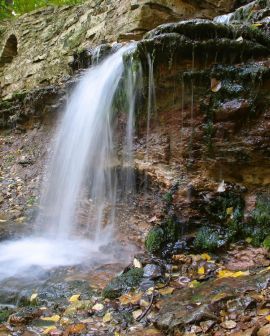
pixel 147 310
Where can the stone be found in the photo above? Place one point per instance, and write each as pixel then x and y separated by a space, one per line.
pixel 152 271
pixel 230 324
pixel 264 331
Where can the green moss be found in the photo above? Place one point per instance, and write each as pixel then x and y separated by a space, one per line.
pixel 258 229
pixel 266 243
pixel 261 214
pixel 217 209
pixel 4 314
pixel 123 283
pixel 155 240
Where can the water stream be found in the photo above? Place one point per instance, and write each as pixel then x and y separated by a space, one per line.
pixel 84 163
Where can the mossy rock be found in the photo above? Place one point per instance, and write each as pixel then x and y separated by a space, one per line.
pixel 160 236
pixel 123 283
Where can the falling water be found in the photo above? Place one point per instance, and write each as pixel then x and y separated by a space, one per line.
pixel 134 85
pixel 84 154
pixel 151 103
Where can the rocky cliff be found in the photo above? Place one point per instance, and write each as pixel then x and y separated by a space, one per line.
pixel 36 48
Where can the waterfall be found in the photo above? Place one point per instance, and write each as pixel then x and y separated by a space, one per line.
pixel 84 146
pixel 84 163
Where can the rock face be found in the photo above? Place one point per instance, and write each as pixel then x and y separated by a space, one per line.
pixel 36 48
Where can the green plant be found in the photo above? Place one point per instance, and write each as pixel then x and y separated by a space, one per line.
pixel 210 238
pixel 155 240
pixel 266 243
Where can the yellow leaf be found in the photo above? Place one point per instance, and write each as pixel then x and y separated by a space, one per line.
pixel 267 317
pixel 116 333
pixel 219 297
pixel 229 274
pixel 77 328
pixel 152 332
pixel 130 299
pixel 150 291
pixel 249 240
pixel 166 291
pixel 107 317
pixel 54 318
pixel 256 24
pixel 229 211
pixel 74 298
pixel 49 329
pixel 201 270
pixel 263 311
pixel 206 256
pixel 33 297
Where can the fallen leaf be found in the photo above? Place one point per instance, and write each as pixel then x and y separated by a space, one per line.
pixel 201 270
pixel 54 318
pixel 107 318
pixel 33 297
pixel 267 317
pixel 256 25
pixel 77 328
pixel 130 299
pixel 229 211
pixel 229 274
pixel 206 256
pixel 166 290
pixel 215 85
pixel 153 219
pixel 98 307
pixel 74 298
pixel 136 313
pixel 137 263
pixel 48 330
pixel 194 284
pixel 240 39
pixel 152 332
pixel 263 311
pixel 218 297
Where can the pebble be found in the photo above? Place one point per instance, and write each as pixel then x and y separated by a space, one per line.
pixel 230 324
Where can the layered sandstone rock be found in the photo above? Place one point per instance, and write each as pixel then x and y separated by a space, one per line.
pixel 36 48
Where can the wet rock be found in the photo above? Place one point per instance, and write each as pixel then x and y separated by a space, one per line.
pixel 146 284
pixel 206 326
pixel 264 331
pixel 232 109
pixel 152 271
pixel 191 306
pixel 122 283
